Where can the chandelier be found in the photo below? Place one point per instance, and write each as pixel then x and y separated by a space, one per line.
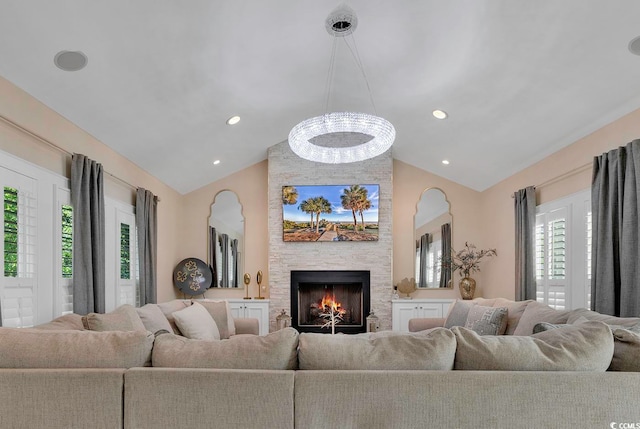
pixel 379 133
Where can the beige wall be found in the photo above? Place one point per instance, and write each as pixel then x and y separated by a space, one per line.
pixel 555 174
pixel 250 185
pixel 20 108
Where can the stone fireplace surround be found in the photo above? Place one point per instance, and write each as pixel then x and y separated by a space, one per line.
pixel 286 169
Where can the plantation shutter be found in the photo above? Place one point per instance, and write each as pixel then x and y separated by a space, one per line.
pixel 19 280
pixel 551 258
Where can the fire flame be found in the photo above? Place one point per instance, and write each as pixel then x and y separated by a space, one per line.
pixel 329 304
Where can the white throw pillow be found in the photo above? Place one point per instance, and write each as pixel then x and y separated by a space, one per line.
pixel 196 323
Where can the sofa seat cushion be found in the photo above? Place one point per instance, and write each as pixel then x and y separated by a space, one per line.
pixel 536 312
pixel 276 350
pixel 433 349
pixel 123 318
pixel 33 348
pixel 584 347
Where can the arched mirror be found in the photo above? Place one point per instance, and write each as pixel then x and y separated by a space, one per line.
pixel 432 232
pixel 226 240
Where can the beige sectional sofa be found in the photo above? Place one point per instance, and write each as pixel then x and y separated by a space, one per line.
pixel 84 379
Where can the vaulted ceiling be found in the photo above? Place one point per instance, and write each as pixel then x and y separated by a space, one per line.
pixel 519 79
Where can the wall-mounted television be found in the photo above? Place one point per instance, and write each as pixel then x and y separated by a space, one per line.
pixel 330 212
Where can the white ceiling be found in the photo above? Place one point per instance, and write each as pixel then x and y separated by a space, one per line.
pixel 520 79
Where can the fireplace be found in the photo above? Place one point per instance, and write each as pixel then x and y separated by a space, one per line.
pixel 314 293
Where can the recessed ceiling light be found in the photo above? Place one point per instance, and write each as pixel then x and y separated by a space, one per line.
pixel 634 46
pixel 70 60
pixel 440 114
pixel 233 120
pixel 445 161
pixel 216 162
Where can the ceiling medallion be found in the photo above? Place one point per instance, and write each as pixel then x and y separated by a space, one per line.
pixel 341 23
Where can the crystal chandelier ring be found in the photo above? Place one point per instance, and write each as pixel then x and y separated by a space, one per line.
pixel 382 132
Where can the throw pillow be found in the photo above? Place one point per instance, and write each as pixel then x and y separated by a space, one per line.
pixel 584 347
pixel 537 312
pixel 626 353
pixel 196 323
pixel 433 349
pixel 458 313
pixel 221 313
pixel 153 319
pixel 123 318
pixel 276 350
pixel 545 326
pixel 487 320
pixel 170 307
pixel 34 348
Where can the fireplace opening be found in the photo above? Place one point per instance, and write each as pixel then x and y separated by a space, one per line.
pixel 314 294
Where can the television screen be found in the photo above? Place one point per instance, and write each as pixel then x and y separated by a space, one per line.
pixel 330 212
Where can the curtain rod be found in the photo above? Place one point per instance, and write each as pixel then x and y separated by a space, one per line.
pixel 59 148
pixel 563 176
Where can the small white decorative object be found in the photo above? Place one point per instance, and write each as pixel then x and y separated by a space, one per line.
pixel 373 323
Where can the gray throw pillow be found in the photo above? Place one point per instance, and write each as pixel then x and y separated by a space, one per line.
pixel 487 320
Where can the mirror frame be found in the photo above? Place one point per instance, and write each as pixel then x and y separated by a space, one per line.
pixel 238 280
pixel 416 238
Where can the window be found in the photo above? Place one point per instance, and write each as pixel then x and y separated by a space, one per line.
pixel 37 244
pixel 66 239
pixel 10 232
pixel 563 251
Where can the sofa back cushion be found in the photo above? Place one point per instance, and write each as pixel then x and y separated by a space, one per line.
pixel 536 312
pixel 276 350
pixel 583 313
pixel 626 355
pixel 33 348
pixel 68 322
pixel 123 318
pixel 432 349
pixel 584 347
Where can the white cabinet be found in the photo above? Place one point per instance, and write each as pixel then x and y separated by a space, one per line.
pixel 250 308
pixel 402 310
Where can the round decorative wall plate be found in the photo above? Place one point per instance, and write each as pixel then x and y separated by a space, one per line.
pixel 192 276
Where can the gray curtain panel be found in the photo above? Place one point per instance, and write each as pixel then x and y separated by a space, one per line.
pixel 423 250
pixel 213 262
pixel 525 217
pixel 615 251
pixel 223 239
pixel 445 273
pixel 234 262
pixel 87 199
pixel 147 226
